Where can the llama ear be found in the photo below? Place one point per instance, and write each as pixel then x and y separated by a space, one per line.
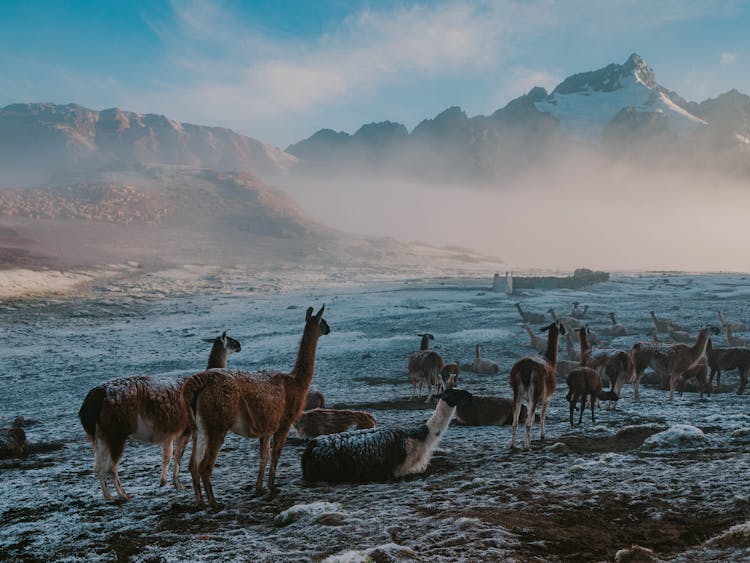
pixel 319 314
pixel 211 340
pixel 308 316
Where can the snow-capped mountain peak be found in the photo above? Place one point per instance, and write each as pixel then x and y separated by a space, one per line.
pixel 588 102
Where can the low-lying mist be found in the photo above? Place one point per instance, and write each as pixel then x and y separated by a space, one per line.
pixel 582 212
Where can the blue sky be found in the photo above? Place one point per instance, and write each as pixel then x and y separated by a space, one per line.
pixel 280 70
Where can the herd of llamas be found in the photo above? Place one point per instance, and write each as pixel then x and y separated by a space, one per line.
pixel 347 445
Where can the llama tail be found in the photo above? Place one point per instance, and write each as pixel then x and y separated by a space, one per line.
pixel 90 409
pixel 191 390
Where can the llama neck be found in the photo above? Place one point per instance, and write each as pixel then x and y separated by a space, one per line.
pixel 551 353
pixel 721 318
pixel 305 364
pixel 701 342
pixel 585 348
pixel 439 422
pixel 612 316
pixel 477 350
pixel 218 356
pixel 425 344
pixel 729 332
pixel 554 315
pixel 518 306
pixel 709 348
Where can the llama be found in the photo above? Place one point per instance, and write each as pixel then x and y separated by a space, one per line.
pixel 616 364
pixel 616 329
pixel 572 322
pixel 424 366
pixel 726 359
pixel 147 411
pixel 314 400
pixel 661 325
pixel 451 369
pixel 733 340
pixel 258 405
pixel 579 313
pixel 572 353
pixel 583 383
pixel 529 317
pixel 700 373
pixel 678 335
pixel 317 422
pixel 424 344
pixel 482 365
pixel 13 441
pixel 537 342
pixel 533 379
pixel 487 411
pixel 669 361
pixel 734 325
pixel 380 454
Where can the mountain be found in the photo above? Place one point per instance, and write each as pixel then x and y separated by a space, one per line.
pixel 617 109
pixel 40 142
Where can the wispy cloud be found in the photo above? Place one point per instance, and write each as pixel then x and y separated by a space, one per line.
pixel 728 58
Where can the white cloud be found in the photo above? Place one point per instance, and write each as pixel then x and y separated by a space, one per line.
pixel 728 58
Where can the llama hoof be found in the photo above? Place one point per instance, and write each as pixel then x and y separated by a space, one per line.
pixel 162 482
pixel 179 486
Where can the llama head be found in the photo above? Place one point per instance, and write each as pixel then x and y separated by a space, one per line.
pixel 317 319
pixel 556 325
pixel 455 397
pixel 227 342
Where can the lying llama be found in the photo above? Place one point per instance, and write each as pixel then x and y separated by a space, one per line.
pixel 572 322
pixel 585 383
pixel 662 325
pixel 734 325
pixel 253 405
pixel 535 341
pixel 425 365
pixel 669 361
pixel 616 329
pixel 726 359
pixel 529 317
pixel 733 340
pixel 482 365
pixel 380 454
pixel 579 313
pixel 487 411
pixel 682 336
pixel 533 379
pixel 317 422
pixel 314 400
pixel 145 410
pixel 13 441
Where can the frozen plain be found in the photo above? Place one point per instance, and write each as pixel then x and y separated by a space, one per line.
pixel 583 495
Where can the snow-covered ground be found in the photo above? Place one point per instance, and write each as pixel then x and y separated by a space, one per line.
pixel 665 475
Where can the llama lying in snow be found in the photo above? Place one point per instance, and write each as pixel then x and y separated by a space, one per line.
pixel 487 411
pixel 585 383
pixel 253 405
pixel 145 410
pixel 533 379
pixel 529 317
pixel 579 313
pixel 483 365
pixel 380 454
pixel 616 329
pixel 734 325
pixel 13 441
pixel 318 422
pixel 733 340
pixel 314 400
pixel 536 342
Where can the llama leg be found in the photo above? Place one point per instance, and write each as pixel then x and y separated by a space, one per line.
pixel 516 415
pixel 279 439
pixel 672 381
pixel 102 463
pixel 116 448
pixel 583 408
pixel 542 419
pixel 214 442
pixel 530 415
pixel 592 398
pixel 196 457
pixel 179 448
pixel 413 388
pixel 636 388
pixel 571 400
pixel 265 447
pixel 166 457
pixel 429 390
pixel 743 381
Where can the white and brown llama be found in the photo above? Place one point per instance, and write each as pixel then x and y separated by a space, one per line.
pixel 145 410
pixel 253 405
pixel 533 379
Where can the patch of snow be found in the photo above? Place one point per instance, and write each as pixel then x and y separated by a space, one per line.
pixel 676 436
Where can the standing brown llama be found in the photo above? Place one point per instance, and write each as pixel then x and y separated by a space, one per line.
pixel 534 379
pixel 253 405
pixel 145 410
